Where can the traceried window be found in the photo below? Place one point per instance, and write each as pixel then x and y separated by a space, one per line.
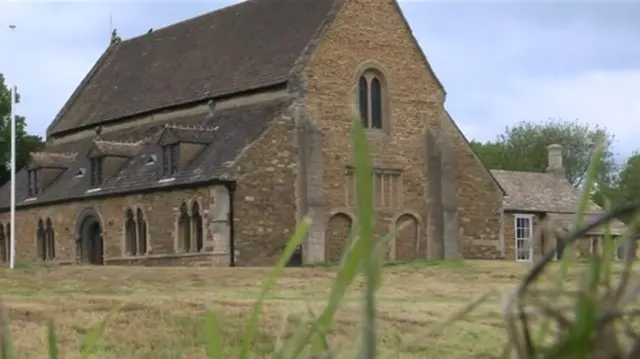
pixel 49 240
pixel 387 188
pixel 135 229
pixel 190 229
pixel 371 100
pixel 141 223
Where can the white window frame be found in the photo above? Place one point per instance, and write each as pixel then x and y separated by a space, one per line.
pixel 528 217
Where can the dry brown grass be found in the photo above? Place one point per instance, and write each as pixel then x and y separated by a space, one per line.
pixel 164 308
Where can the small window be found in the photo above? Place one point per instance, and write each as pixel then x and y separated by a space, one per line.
pixel 524 237
pixel 96 171
pixel 33 179
pixel 170 160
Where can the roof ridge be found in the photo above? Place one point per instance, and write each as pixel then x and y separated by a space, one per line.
pixel 55 154
pixel 128 143
pixel 191 127
pixel 208 13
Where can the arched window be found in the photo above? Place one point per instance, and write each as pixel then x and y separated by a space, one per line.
pixel 363 101
pixel 371 100
pixel 196 221
pixel 50 240
pixel 142 233
pixel 4 245
pixel 184 228
pixel 130 234
pixel 41 241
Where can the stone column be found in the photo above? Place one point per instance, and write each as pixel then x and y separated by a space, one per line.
pixel 310 185
pixel 451 235
pixel 433 171
pixel 219 225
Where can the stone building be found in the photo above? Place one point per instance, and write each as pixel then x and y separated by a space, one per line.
pixel 540 207
pixel 206 141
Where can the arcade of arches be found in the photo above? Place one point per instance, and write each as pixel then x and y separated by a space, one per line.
pixel 190 229
pixel 135 241
pixel 45 240
pixel 405 247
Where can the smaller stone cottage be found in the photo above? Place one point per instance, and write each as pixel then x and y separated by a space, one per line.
pixel 546 202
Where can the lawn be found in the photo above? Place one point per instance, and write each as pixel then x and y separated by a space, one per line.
pixel 164 308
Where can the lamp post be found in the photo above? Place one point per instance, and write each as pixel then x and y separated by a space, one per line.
pixel 12 223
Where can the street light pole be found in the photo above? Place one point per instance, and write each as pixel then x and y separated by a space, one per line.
pixel 12 223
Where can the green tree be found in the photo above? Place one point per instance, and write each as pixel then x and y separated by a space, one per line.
pixel 627 189
pixel 524 148
pixel 25 143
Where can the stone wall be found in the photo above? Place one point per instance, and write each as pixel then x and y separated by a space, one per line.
pixel 160 209
pixel 265 199
pixel 370 35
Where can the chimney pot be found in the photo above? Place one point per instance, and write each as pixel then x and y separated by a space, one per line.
pixel 554 161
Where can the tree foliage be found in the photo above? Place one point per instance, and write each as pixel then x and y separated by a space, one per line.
pixel 25 143
pixel 628 183
pixel 524 148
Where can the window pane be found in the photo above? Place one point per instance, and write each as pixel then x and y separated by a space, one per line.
pixel 165 160
pixel 363 98
pixel 376 104
pixel 174 159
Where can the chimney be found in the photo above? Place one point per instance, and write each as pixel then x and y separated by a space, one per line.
pixel 554 162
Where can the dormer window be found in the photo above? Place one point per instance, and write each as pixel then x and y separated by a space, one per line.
pixel 96 171
pixel 170 160
pixel 33 181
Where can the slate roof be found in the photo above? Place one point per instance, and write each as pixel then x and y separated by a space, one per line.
pixel 117 148
pixel 235 128
pixel 544 192
pixel 539 192
pixel 247 46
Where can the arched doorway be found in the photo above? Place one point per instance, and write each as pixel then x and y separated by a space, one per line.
pixel 337 233
pixel 407 238
pixel 90 245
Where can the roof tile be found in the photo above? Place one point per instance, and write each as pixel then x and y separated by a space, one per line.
pixel 250 45
pixel 538 191
pixel 236 128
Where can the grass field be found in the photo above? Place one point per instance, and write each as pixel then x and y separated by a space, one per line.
pixel 164 308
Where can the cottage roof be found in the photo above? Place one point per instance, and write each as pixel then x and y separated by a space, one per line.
pixel 251 45
pixel 539 192
pixel 548 193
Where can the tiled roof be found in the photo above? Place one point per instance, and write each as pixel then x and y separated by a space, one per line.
pixel 230 130
pixel 192 134
pixel 540 192
pixel 251 45
pixel 546 192
pixel 117 148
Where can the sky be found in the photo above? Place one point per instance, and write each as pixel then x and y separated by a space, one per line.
pixel 501 62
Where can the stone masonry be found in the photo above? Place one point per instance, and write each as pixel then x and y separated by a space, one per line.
pixel 426 176
pixel 371 34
